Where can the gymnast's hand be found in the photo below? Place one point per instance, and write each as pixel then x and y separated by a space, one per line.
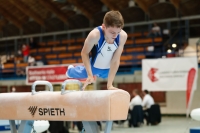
pixel 112 88
pixel 88 81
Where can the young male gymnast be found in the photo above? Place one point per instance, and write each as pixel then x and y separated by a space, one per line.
pixel 106 43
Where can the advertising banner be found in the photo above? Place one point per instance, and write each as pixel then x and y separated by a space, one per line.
pixel 55 74
pixel 171 74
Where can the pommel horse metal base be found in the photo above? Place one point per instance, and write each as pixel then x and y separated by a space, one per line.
pixel 115 105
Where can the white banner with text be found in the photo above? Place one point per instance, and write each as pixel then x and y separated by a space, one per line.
pixel 169 74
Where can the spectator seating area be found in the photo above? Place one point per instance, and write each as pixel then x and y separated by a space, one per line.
pixel 138 46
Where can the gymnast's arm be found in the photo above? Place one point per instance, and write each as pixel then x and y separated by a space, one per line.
pixel 89 43
pixel 114 65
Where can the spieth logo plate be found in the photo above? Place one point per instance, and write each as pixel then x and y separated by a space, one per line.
pixel 46 111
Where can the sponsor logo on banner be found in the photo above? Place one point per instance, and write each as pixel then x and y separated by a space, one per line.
pixel 154 75
pixel 46 111
pixel 151 74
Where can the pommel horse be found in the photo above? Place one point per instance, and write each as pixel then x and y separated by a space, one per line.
pixel 85 106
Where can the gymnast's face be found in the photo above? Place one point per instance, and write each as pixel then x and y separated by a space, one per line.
pixel 111 32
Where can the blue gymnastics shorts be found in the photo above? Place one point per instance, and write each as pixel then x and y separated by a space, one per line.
pixel 79 72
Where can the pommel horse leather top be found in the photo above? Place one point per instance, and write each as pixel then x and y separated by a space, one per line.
pixel 98 105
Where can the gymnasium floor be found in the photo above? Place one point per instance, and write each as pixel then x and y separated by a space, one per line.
pixel 168 125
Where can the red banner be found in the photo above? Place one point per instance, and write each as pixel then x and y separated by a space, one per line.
pixel 190 82
pixel 53 74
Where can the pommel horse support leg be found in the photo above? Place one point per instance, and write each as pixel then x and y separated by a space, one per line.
pixel 85 106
